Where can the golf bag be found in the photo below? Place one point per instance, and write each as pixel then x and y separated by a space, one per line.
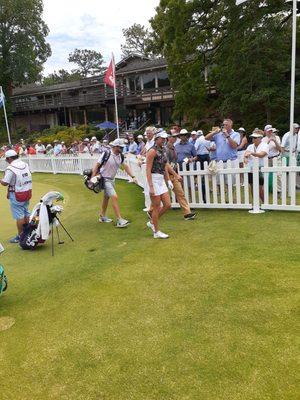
pixel 96 184
pixel 41 221
pixel 3 280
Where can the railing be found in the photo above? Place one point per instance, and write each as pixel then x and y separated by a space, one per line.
pixel 224 187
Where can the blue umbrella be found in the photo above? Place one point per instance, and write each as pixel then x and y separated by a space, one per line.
pixel 106 125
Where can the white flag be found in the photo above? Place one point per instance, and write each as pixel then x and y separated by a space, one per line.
pixel 2 98
pixel 238 2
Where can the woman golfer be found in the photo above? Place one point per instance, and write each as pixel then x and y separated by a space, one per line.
pixel 157 169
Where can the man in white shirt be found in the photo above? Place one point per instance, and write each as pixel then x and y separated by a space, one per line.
pixel 107 167
pixel 285 144
pixel 39 147
pixel 273 141
pixel 258 149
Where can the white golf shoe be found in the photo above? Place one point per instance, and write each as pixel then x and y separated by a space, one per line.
pixel 160 235
pixel 150 225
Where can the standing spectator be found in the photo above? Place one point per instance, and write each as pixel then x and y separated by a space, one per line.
pixel 22 151
pixel 242 146
pixel 141 144
pixel 49 150
pixel 19 181
pixel 64 149
pixel 39 147
pixel 273 141
pixel 86 146
pixel 132 148
pixel 193 138
pixel 57 149
pixel 285 144
pixel 74 148
pixel 30 150
pixel 186 151
pixel 203 148
pixel 260 150
pixel 95 146
pixel 226 140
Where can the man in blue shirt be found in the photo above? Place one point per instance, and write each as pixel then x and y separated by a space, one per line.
pixel 185 151
pixel 132 148
pixel 226 140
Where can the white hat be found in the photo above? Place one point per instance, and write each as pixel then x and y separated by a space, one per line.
pixel 10 153
pixel 62 142
pixel 105 141
pixel 275 130
pixel 117 143
pixel 241 129
pixel 94 138
pixel 257 134
pixel 199 133
pixel 140 137
pixel 268 128
pixel 183 132
pixel 194 133
pixel 48 146
pixel 296 125
pixel 161 134
pixel 86 139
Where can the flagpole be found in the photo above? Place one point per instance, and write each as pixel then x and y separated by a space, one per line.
pixel 115 94
pixel 293 69
pixel 5 115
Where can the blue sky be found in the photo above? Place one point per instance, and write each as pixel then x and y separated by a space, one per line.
pixel 91 24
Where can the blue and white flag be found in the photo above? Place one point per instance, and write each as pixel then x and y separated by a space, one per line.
pixel 238 2
pixel 2 98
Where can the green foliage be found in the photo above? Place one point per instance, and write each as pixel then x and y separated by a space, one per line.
pixel 89 62
pixel 137 41
pixel 23 48
pixel 61 76
pixel 241 51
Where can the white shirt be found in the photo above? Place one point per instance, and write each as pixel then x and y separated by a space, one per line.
pixel 286 142
pixel 273 152
pixel 203 146
pixel 261 147
pixel 110 168
pixel 39 148
pixel 149 144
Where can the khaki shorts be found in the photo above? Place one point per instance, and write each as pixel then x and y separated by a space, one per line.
pixel 109 187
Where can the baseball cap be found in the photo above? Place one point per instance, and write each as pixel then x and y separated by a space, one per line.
pixel 199 133
pixel 296 125
pixel 94 138
pixel 193 133
pixel 117 143
pixel 86 139
pixel 161 134
pixel 268 128
pixel 10 153
pixel 183 132
pixel 241 129
pixel 140 137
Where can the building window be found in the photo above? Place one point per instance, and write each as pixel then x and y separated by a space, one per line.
pixel 134 83
pixel 163 79
pixel 149 80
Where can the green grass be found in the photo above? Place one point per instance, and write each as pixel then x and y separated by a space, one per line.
pixel 209 314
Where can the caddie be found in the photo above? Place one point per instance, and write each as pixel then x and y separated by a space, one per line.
pixel 18 178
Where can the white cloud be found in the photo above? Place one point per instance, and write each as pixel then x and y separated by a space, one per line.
pixel 92 24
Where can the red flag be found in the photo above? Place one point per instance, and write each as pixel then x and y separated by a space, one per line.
pixel 109 78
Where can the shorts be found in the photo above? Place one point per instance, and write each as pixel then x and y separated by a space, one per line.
pixel 260 179
pixel 109 187
pixel 159 185
pixel 19 209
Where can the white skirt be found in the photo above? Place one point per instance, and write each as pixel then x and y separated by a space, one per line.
pixel 159 185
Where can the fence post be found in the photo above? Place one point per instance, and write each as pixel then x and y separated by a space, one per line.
pixel 53 165
pixel 256 206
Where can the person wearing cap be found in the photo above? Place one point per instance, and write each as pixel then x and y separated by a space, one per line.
pixel 95 146
pixel 107 166
pixel 17 178
pixel 177 179
pixel 140 144
pixel 39 147
pixel 243 145
pixel 226 140
pixel 157 172
pixel 132 148
pixel 57 148
pixel 186 151
pixel 86 146
pixel 273 141
pixel 285 143
pixel 193 138
pixel 49 150
pixel 258 149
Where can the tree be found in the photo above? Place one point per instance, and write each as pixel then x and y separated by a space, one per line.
pixel 61 76
pixel 23 46
pixel 137 41
pixel 89 62
pixel 243 51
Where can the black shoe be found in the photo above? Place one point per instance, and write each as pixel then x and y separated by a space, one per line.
pixel 190 216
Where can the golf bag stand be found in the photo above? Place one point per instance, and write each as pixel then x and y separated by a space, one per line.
pixel 56 222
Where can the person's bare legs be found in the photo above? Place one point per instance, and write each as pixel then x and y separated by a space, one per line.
pixel 104 206
pixel 261 193
pixel 115 205
pixel 20 223
pixel 157 209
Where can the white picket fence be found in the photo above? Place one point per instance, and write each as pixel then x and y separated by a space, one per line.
pixel 226 187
